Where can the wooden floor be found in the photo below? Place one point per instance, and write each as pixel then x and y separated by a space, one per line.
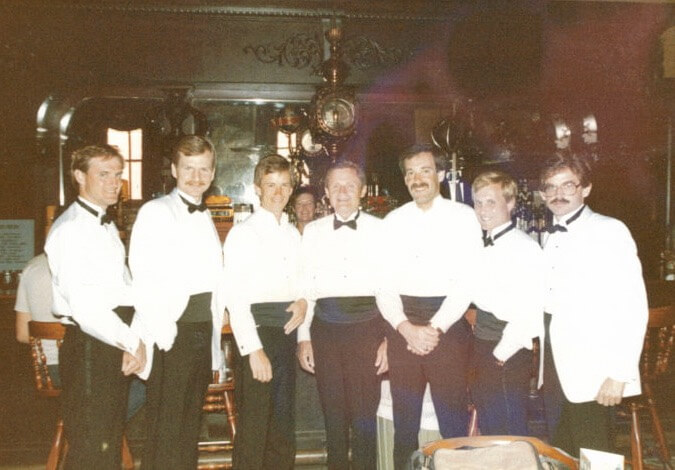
pixel 27 422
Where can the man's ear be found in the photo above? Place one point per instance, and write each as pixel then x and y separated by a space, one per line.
pixel 440 175
pixel 80 177
pixel 586 191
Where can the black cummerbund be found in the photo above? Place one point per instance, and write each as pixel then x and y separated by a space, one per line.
pixel 419 310
pixel 346 309
pixel 271 313
pixel 488 327
pixel 198 309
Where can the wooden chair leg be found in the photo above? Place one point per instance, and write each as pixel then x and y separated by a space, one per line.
pixel 473 421
pixel 231 414
pixel 657 429
pixel 57 446
pixel 635 438
pixel 127 458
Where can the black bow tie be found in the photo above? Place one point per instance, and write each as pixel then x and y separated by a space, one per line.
pixel 556 228
pixel 105 218
pixel 563 228
pixel 350 223
pixel 487 241
pixel 191 207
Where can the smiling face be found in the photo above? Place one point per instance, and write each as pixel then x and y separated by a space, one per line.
pixel 344 190
pixel 422 178
pixel 274 191
pixel 102 182
pixel 557 201
pixel 194 173
pixel 491 207
pixel 304 206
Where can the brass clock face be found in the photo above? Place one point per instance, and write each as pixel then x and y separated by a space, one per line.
pixel 309 146
pixel 336 115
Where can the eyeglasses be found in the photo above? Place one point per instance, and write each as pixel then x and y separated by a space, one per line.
pixel 568 189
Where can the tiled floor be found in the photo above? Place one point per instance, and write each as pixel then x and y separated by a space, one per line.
pixel 27 423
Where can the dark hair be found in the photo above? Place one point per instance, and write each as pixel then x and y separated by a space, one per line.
pixel 191 145
pixel 272 164
pixel 346 165
pixel 81 158
pixel 577 164
pixel 305 190
pixel 439 158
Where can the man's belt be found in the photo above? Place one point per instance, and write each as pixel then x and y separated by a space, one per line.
pixel 271 313
pixel 347 309
pixel 419 310
pixel 488 327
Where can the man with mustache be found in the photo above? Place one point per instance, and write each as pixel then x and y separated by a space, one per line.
pixel 430 246
pixel 92 296
pixel 176 261
pixel 262 269
pixel 596 311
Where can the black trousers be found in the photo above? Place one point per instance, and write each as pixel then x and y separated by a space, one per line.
pixel 266 411
pixel 553 394
pixel 175 394
pixel 445 370
pixel 585 425
pixel 500 392
pixel 94 401
pixel 349 389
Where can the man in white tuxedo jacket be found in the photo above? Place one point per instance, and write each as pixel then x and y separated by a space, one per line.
pixel 596 311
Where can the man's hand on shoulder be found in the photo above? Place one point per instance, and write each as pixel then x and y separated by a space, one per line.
pixel 306 356
pixel 298 309
pixel 422 339
pixel 610 393
pixel 261 367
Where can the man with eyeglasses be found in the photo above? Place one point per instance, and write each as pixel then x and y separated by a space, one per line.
pixel 596 311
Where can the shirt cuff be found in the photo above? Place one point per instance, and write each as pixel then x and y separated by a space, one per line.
pixel 128 340
pixel 252 345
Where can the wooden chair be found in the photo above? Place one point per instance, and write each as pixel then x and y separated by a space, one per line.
pixel 39 331
pixel 654 362
pixel 486 441
pixel 220 399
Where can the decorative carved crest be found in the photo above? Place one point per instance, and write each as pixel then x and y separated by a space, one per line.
pixel 303 50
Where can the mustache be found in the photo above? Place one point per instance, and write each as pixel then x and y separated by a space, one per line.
pixel 419 185
pixel 560 199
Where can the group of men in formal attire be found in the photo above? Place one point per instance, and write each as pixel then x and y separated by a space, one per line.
pixel 353 297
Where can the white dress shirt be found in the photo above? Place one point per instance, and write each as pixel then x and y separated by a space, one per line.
pixel 339 263
pixel 597 299
pixel 89 275
pixel 427 254
pixel 262 264
pixel 174 254
pixel 509 285
pixel 34 296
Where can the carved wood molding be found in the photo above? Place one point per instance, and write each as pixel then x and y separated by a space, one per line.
pixel 304 50
pixel 308 11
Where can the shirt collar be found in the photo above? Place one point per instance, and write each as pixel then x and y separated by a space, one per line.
pixel 354 215
pixel 269 217
pixel 498 229
pixel 570 218
pixel 188 197
pixel 97 211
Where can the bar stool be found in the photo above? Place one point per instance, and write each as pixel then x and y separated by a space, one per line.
pixel 219 399
pixel 39 331
pixel 654 362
